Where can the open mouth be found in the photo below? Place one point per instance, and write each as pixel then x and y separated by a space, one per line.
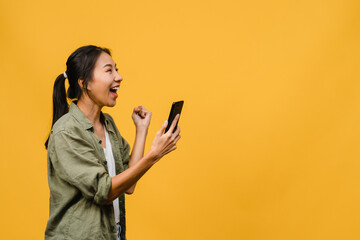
pixel 113 91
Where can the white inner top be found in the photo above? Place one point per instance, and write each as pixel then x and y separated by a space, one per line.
pixel 112 172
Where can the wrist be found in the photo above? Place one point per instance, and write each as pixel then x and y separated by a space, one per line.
pixel 151 157
pixel 141 130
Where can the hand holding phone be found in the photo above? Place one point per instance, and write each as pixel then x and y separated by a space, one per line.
pixel 175 109
pixel 164 143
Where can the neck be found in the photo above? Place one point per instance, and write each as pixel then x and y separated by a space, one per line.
pixel 90 109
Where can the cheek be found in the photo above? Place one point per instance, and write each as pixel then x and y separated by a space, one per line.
pixel 97 87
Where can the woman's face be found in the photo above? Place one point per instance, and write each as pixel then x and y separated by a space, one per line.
pixel 102 89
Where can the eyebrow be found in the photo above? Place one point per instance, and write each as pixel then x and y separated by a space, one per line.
pixel 108 65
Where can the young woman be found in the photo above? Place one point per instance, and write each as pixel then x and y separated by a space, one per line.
pixel 89 163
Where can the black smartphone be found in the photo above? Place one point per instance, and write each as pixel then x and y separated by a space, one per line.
pixel 175 109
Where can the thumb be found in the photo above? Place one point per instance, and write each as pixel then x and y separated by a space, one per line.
pixel 162 129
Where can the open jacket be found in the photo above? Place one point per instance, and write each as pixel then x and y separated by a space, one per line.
pixel 79 181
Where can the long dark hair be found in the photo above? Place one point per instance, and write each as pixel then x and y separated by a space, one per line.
pixel 80 65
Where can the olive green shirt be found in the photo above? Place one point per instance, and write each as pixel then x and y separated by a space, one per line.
pixel 79 181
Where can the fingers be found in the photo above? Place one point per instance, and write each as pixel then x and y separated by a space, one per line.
pixel 141 111
pixel 177 139
pixel 173 124
pixel 169 150
pixel 177 131
pixel 165 143
pixel 163 126
pixel 136 110
pixel 172 143
pixel 175 135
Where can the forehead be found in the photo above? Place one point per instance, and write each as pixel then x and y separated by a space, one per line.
pixel 104 59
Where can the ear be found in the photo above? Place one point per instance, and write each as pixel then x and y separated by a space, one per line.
pixel 81 85
pixel 80 82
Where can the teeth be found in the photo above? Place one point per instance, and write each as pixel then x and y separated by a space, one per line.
pixel 115 88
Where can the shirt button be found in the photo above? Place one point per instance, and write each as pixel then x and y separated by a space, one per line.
pixel 105 162
pixel 112 228
pixel 100 141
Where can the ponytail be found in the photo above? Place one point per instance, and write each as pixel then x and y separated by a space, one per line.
pixel 60 105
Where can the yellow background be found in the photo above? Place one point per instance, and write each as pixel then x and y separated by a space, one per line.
pixel 270 125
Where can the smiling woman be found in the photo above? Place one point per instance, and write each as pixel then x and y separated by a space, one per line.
pixel 90 167
pixel 106 81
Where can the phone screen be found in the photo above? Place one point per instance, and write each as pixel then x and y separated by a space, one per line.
pixel 175 109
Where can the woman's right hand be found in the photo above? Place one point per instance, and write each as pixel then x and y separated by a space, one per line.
pixel 164 143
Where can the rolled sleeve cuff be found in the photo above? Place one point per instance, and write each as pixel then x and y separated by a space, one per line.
pixel 102 193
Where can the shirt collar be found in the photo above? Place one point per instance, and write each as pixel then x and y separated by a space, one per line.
pixel 85 122
pixel 107 121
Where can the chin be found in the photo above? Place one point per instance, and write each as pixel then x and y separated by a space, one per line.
pixel 112 104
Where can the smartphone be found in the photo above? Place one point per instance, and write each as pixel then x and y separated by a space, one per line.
pixel 175 109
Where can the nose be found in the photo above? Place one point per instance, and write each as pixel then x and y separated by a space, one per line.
pixel 118 78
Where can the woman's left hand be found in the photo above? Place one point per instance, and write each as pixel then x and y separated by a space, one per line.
pixel 141 118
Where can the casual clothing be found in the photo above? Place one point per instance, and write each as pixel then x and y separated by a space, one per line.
pixel 109 156
pixel 118 227
pixel 79 180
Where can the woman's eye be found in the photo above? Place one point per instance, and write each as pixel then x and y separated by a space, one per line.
pixel 116 69
pixel 109 70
